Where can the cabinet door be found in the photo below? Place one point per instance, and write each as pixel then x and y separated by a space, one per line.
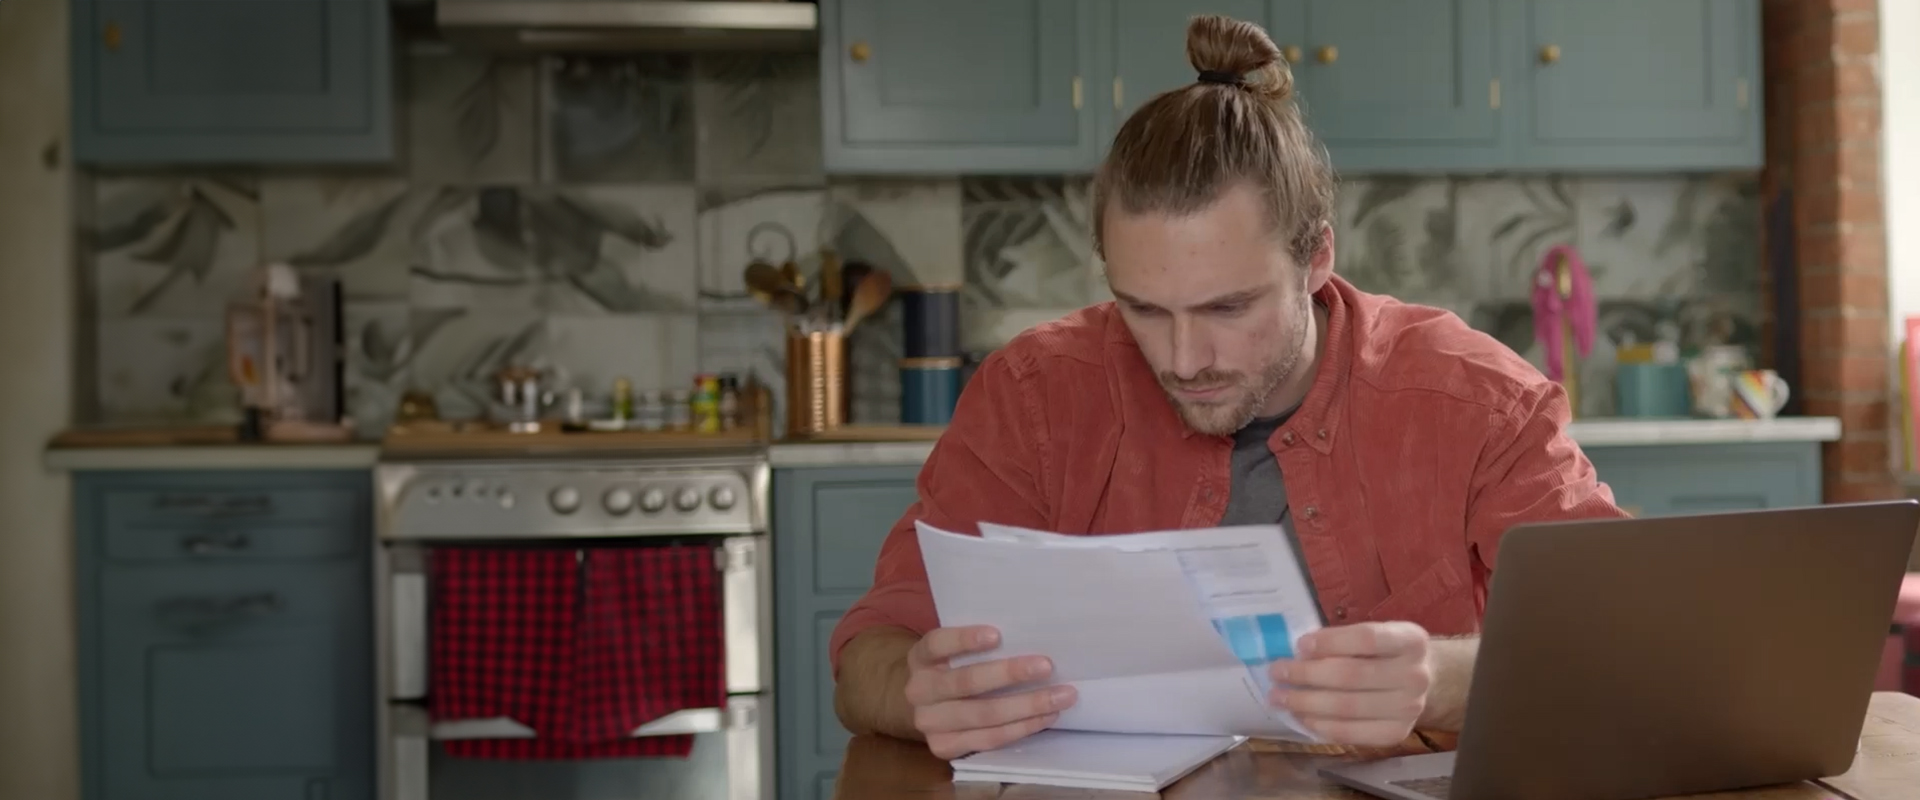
pixel 936 86
pixel 1401 84
pixel 235 682
pixel 1663 480
pixel 232 80
pixel 1643 83
pixel 828 527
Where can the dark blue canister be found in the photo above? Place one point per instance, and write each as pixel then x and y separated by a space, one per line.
pixel 929 389
pixel 930 321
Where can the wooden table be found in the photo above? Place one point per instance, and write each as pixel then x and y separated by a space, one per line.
pixel 882 768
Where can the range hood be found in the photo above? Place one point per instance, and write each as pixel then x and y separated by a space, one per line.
pixel 628 25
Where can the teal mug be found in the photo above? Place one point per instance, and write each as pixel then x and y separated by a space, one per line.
pixel 1652 390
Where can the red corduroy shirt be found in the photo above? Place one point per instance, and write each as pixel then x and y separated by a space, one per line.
pixel 1420 442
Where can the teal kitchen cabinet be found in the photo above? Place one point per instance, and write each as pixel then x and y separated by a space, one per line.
pixel 938 86
pixel 1649 84
pixel 828 525
pixel 232 82
pixel 1661 480
pixel 1389 86
pixel 225 635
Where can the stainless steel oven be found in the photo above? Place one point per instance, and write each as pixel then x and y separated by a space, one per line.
pixel 718 500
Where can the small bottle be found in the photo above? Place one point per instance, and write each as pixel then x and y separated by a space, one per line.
pixel 622 399
pixel 650 414
pixel 679 412
pixel 729 402
pixel 705 404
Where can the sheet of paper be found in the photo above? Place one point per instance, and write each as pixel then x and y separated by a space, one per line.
pixel 1067 604
pixel 1160 632
pixel 1254 590
pixel 1094 760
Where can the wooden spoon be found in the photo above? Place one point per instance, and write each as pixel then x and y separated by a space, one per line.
pixel 868 297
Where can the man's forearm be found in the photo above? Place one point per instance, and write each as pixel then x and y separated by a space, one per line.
pixel 870 695
pixel 1452 660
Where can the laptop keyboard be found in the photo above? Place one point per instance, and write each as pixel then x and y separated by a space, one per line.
pixel 1432 787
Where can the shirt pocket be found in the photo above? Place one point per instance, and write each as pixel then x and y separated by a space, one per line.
pixel 1440 600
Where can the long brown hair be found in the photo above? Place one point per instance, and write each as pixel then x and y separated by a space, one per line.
pixel 1237 125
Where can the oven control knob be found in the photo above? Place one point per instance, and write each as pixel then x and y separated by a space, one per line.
pixel 687 499
pixel 721 497
pixel 619 501
pixel 652 500
pixel 565 499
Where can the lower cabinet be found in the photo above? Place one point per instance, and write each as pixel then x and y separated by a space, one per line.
pixel 828 525
pixel 1660 480
pixel 225 635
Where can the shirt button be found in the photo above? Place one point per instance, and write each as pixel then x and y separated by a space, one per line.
pixel 1287 437
pixel 1339 612
pixel 1208 492
pixel 1312 512
pixel 1322 433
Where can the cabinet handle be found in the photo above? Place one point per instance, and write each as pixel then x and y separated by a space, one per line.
pixel 196 614
pixel 1079 96
pixel 1291 53
pixel 1329 54
pixel 111 37
pixel 860 52
pixel 210 544
pixel 1549 54
pixel 1119 94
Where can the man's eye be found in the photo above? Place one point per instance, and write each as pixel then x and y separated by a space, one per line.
pixel 1228 308
pixel 1140 309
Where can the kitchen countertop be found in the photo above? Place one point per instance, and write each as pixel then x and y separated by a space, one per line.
pixel 1613 432
pixel 234 456
pixel 1609 432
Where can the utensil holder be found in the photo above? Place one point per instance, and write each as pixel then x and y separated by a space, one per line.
pixel 816 381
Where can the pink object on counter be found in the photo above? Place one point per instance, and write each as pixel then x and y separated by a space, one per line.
pixel 1579 309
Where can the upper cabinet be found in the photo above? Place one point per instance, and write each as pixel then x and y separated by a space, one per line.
pixel 952 87
pixel 232 81
pixel 1643 83
pixel 1388 85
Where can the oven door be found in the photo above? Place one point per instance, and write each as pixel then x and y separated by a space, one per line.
pixel 732 757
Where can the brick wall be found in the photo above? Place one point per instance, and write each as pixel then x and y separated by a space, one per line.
pixel 1822 101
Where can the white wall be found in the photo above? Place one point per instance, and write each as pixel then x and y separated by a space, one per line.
pixel 38 753
pixel 1900 156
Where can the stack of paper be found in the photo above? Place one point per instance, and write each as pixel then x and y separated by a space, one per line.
pixel 1110 761
pixel 1160 633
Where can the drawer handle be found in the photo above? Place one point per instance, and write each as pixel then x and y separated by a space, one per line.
pixel 176 501
pixel 860 52
pixel 210 544
pixel 1329 54
pixel 1550 54
pixel 246 504
pixel 199 613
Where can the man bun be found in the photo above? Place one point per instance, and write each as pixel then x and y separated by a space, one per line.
pixel 1218 45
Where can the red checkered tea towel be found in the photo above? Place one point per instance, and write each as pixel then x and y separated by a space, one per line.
pixel 582 646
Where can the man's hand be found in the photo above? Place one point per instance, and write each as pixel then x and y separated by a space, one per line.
pixel 1363 684
pixel 947 709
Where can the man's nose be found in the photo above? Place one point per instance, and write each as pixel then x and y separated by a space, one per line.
pixel 1190 354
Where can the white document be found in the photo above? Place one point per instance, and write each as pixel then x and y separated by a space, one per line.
pixel 1160 633
pixel 1107 761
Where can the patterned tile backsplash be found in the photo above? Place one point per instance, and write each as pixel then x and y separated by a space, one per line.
pixel 595 215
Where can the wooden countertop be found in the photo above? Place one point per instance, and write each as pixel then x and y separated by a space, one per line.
pixel 881 768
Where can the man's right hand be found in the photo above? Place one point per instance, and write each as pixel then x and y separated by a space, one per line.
pixel 947 707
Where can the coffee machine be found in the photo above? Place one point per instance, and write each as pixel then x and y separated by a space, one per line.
pixel 284 352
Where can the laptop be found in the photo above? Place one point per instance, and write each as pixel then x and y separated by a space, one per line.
pixel 1638 658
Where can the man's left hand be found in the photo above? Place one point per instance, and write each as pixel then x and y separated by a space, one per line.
pixel 1363 684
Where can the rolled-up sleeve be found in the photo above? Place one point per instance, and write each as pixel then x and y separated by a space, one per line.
pixel 988 465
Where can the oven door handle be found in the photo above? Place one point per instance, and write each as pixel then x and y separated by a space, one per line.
pixel 743 584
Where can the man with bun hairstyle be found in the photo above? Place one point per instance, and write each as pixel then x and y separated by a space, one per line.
pixel 1234 380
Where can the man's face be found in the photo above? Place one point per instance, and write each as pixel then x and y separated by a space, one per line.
pixel 1219 308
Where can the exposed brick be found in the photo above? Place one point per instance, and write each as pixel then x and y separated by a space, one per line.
pixel 1865 457
pixel 1856 34
pixel 1841 203
pixel 1845 289
pixel 1843 372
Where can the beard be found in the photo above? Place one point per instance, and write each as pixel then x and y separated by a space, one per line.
pixel 1246 393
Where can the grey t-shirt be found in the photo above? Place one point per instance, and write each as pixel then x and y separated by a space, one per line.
pixel 1258 494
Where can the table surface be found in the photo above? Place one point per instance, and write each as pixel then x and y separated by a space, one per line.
pixel 1888 768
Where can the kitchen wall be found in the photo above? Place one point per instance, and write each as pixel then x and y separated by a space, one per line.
pixel 38 743
pixel 597 215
